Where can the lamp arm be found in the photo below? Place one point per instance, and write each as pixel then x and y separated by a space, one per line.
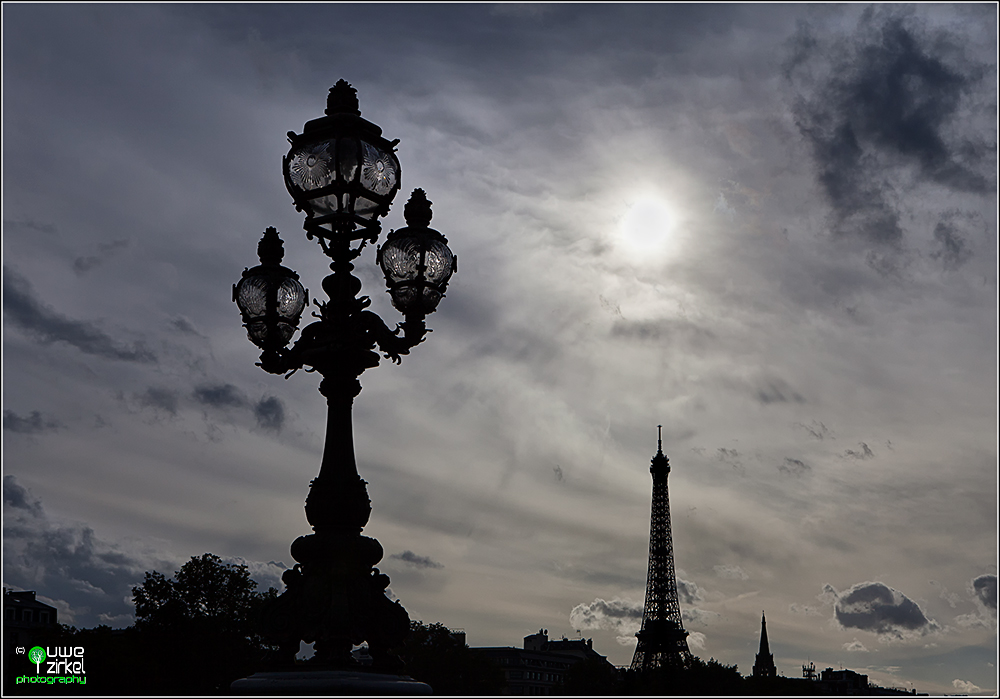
pixel 390 343
pixel 281 361
pixel 318 345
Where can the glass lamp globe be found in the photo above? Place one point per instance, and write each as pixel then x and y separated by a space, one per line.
pixel 416 261
pixel 340 170
pixel 270 297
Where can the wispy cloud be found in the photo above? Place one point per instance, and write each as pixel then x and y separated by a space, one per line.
pixel 48 326
pixel 416 561
pixel 85 263
pixel 33 423
pixel 159 398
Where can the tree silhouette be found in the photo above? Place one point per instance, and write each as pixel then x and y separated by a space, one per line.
pixel 201 626
pixel 205 589
pixel 701 678
pixel 592 677
pixel 435 655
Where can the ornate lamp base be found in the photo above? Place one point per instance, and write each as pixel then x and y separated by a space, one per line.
pixel 334 596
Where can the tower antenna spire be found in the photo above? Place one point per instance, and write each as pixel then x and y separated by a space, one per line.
pixel 659 439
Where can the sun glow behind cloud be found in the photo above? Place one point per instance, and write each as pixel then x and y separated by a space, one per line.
pixel 648 232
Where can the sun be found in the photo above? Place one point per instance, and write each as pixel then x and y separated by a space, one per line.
pixel 647 230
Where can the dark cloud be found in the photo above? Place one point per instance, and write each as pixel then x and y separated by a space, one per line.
pixel 612 308
pixel 159 399
pixel 952 248
pixel 416 561
pixel 182 324
pixel 677 330
pixel 82 265
pixel 817 429
pixel 46 228
pixel 18 497
pixel 777 391
pixel 270 413
pixel 794 467
pixel 33 423
pixel 620 615
pixel 890 95
pixel 88 578
pixel 985 589
pixel 888 264
pixel 48 326
pixel 688 592
pixel 876 607
pixel 731 457
pixel 220 396
pixel 863 455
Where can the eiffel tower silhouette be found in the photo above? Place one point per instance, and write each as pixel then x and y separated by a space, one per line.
pixel 662 639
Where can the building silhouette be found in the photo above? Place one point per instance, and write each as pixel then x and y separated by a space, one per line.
pixel 541 666
pixel 662 638
pixel 763 665
pixel 23 616
pixel 844 682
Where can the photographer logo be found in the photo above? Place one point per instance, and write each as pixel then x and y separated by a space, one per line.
pixel 56 665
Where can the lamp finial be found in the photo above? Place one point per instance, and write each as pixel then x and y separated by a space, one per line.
pixel 270 249
pixel 417 211
pixel 343 99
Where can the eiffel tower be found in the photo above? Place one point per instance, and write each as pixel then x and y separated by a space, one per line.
pixel 662 639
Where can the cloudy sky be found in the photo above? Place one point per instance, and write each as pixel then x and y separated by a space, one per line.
pixel 771 230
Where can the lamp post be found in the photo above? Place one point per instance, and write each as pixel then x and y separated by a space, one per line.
pixel 344 175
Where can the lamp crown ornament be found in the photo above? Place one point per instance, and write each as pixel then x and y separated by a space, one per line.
pixel 343 99
pixel 417 211
pixel 270 249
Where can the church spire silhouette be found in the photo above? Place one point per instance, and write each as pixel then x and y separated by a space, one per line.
pixel 662 638
pixel 763 665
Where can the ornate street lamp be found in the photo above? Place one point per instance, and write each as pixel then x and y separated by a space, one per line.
pixel 340 170
pixel 270 299
pixel 416 261
pixel 343 174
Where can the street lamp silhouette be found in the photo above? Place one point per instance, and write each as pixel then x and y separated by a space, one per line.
pixel 344 175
